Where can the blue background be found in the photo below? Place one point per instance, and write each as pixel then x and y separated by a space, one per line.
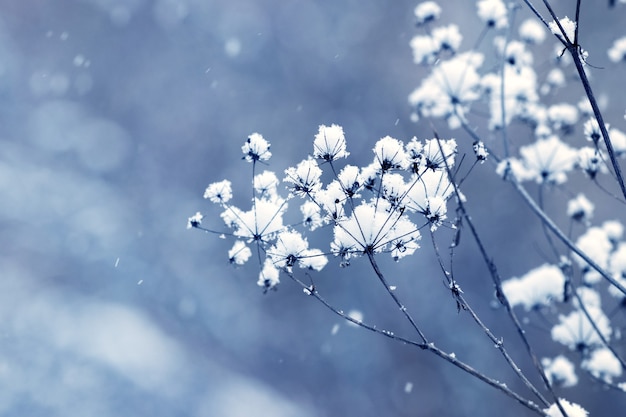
pixel 115 115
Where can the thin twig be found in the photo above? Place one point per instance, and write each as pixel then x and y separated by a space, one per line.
pixel 449 357
pixel 557 231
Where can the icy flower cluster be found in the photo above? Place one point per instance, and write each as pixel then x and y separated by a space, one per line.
pixel 262 225
pixel 367 207
pixel 585 328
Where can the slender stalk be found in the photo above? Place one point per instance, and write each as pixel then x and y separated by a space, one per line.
pixel 562 237
pixel 574 49
pixel 449 357
pixel 497 280
pixel 393 295
pixel 498 343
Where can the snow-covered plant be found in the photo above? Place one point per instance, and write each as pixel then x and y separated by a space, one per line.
pixel 411 188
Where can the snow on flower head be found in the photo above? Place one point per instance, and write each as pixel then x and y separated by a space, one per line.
pixel 425 49
pixel 563 116
pixel 450 89
pixel 332 200
pixel 618 139
pixel 447 38
pixel 265 184
pixel 311 217
pixel 351 180
pixel 576 331
pixel 617 52
pixel 195 220
pixel 389 154
pixel 548 160
pixel 305 178
pixel 513 168
pixel 313 259
pixel 427 12
pixel 597 245
pixel 239 253
pixel 369 230
pixel 427 194
pixel 590 161
pixel 603 364
pixel 493 13
pixel 256 148
pixel 269 276
pixel 330 143
pixel 580 208
pixel 480 151
pixel 433 157
pixel 572 409
pixel 538 287
pixel 219 192
pixel 560 371
pixel 514 52
pixel 260 223
pixel 591 130
pixel 288 249
pixel 531 31
pixel 568 25
pixel 520 96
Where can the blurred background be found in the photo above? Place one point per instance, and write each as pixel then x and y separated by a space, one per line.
pixel 116 114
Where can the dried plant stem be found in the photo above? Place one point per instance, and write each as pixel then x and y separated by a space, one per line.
pixel 393 295
pixel 449 357
pixel 574 50
pixel 498 342
pixel 497 280
pixel 547 221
